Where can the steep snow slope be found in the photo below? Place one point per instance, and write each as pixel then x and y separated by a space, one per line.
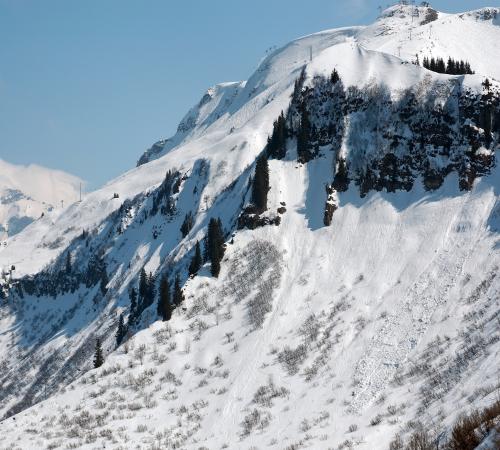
pixel 376 319
pixel 390 311
pixel 27 192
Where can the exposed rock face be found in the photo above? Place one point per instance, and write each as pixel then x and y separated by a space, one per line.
pixel 393 140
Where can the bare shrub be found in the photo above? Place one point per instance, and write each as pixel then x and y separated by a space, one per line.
pixel 470 430
pixel 170 377
pixel 376 420
pixel 305 426
pixel 265 395
pixel 218 361
pixel 291 359
pixel 392 410
pixel 255 269
pixel 352 428
pixel 229 337
pixel 140 353
pixel 255 419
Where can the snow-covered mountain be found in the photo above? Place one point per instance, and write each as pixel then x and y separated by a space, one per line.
pixel 27 192
pixel 361 305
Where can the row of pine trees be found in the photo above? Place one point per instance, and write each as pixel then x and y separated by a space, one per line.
pixel 451 67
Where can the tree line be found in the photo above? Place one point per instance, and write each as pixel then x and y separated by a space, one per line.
pixel 451 67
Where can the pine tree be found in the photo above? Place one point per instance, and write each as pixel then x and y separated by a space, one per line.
pixel 299 83
pixel 164 306
pixel 178 294
pixel 104 281
pixel 335 76
pixel 215 245
pixel 67 267
pixel 215 267
pixel 260 185
pixel 206 251
pixel 440 66
pixel 187 224
pixel 276 144
pixel 98 356
pixel 133 307
pixel 450 66
pixel 341 179
pixel 151 292
pixel 120 332
pixel 196 262
pixel 143 285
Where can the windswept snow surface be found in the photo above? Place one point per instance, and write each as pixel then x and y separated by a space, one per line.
pixel 312 336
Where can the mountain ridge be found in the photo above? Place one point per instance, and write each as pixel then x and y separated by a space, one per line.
pixel 316 334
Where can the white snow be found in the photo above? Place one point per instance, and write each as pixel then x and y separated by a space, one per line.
pixel 28 191
pixel 341 317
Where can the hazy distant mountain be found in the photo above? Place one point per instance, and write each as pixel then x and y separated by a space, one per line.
pixel 27 192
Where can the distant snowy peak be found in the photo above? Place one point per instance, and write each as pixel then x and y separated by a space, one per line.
pixel 27 192
pixel 417 14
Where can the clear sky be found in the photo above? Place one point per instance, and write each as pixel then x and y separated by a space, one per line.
pixel 86 86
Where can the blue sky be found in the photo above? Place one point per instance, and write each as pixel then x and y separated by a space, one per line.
pixel 86 86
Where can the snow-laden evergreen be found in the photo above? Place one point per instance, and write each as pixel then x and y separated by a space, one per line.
pixel 312 335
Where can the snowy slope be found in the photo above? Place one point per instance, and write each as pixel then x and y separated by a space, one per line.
pixel 312 336
pixel 28 191
pixel 401 30
pixel 392 282
pixel 472 36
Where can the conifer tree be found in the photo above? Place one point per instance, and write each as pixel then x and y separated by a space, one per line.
pixel 335 76
pixel 104 281
pixel 196 262
pixel 164 306
pixel 187 224
pixel 215 244
pixel 133 307
pixel 206 251
pixel 276 144
pixel 299 83
pixel 98 356
pixel 150 293
pixel 120 332
pixel 260 185
pixel 341 179
pixel 67 267
pixel 215 267
pixel 178 294
pixel 143 285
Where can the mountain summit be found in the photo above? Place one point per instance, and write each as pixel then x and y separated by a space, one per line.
pixel 310 261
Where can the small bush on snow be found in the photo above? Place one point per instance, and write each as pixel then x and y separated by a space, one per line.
pixel 255 419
